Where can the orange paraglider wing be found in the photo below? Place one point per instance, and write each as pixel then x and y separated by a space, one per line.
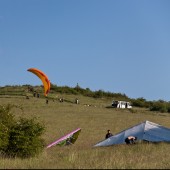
pixel 44 79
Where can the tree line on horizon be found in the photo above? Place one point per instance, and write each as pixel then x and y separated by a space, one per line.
pixel 156 105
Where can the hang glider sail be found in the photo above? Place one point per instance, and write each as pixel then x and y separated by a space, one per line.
pixel 44 79
pixel 67 139
pixel 147 131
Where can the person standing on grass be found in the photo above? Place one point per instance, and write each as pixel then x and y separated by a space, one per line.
pixel 77 101
pixel 108 135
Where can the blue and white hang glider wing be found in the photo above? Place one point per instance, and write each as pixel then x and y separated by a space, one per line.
pixel 147 130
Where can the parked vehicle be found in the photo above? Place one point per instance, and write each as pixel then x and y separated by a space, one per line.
pixel 121 104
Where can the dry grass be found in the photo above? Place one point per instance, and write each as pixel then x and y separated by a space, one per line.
pixel 62 118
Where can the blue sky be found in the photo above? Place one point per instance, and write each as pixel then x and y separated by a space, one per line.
pixel 120 46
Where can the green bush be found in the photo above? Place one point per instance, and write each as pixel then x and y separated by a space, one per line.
pixel 24 138
pixel 159 106
pixel 21 137
pixel 168 107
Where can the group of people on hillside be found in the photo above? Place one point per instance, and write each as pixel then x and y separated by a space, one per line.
pixel 35 94
pixel 129 140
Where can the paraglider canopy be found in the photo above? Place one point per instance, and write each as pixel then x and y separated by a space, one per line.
pixel 44 79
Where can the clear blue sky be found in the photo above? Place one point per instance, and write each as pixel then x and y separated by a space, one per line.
pixel 120 46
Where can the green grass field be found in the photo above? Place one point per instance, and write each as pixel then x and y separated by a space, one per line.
pixel 95 120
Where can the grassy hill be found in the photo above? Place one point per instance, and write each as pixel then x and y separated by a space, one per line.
pixel 94 120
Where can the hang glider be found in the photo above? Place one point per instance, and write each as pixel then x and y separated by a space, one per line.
pixel 44 79
pixel 67 139
pixel 147 131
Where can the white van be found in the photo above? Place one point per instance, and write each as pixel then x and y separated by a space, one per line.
pixel 121 104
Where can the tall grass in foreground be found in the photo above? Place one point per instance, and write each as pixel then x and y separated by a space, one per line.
pixel 62 118
pixel 146 156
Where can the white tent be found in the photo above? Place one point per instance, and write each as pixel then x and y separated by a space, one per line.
pixel 144 131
